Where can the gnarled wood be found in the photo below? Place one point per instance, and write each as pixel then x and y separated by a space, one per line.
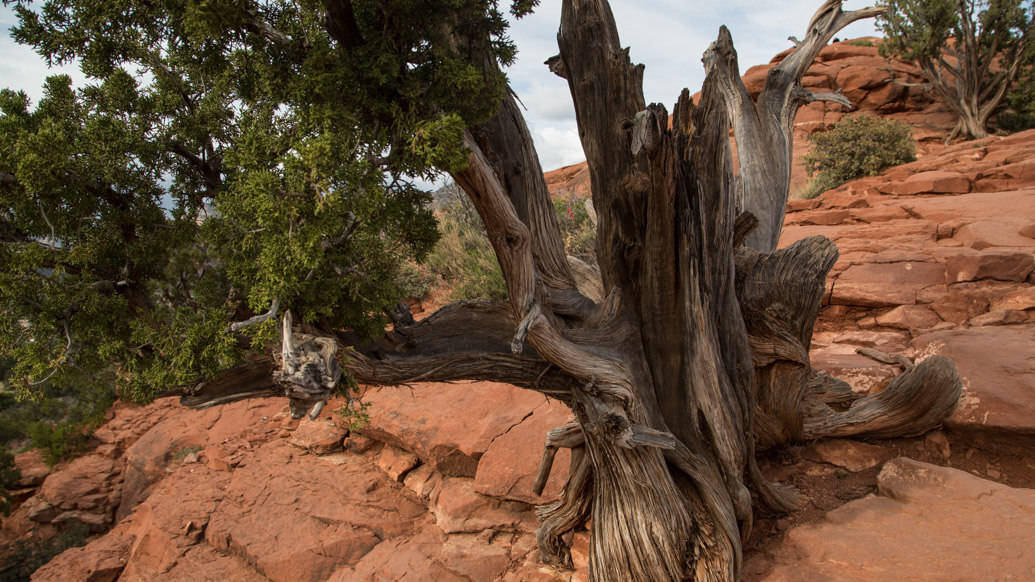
pixel 694 348
pixel 764 128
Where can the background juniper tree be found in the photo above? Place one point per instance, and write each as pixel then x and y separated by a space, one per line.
pixel 970 51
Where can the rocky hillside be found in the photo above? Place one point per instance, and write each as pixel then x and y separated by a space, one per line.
pixel 936 257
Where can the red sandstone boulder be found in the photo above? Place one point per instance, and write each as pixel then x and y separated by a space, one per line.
pixel 32 467
pixel 998 377
pixel 912 530
pixel 968 265
pixel 449 426
pixel 509 466
pixel 933 182
pixel 910 317
pixel 885 284
pixel 299 517
pixel 852 455
pixel 322 436
pixel 103 560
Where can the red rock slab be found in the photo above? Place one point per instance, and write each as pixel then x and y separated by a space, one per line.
pixel 201 563
pixel 966 264
pixel 322 436
pixel 885 284
pixel 298 517
pixel 458 508
pixel 1018 300
pixel 102 560
pixel 77 481
pixel 852 455
pixel 927 522
pixel 984 234
pixel 509 466
pixel 932 182
pixel 152 453
pixel 449 426
pixel 32 467
pixel 997 365
pixel 910 317
pixel 412 559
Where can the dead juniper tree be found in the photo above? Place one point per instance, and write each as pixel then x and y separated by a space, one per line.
pixel 698 355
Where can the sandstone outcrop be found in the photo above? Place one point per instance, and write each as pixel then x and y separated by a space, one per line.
pixel 920 525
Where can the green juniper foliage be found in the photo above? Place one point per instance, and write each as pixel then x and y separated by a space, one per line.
pixel 970 51
pixel 224 154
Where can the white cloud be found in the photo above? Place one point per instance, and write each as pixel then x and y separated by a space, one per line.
pixel 21 68
pixel 558 146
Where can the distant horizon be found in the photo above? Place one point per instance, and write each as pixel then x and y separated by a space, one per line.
pixel 667 36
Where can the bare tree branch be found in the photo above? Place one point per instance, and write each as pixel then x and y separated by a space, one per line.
pixel 238 326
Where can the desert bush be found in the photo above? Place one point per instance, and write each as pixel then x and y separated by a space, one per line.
pixel 1019 113
pixel 463 256
pixel 58 420
pixel 9 476
pixel 577 230
pixel 26 556
pixel 415 280
pixel 856 146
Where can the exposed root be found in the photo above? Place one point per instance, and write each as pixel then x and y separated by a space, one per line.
pixel 913 403
pixel 567 513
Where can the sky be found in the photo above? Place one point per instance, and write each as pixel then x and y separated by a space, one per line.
pixel 668 36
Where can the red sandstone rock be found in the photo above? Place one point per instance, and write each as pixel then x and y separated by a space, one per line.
pixel 987 233
pixel 460 509
pixel 1020 299
pixel 449 426
pixel 300 517
pixel 933 182
pixel 910 317
pixel 912 531
pixel 880 285
pixel 101 561
pixel 32 467
pixel 998 378
pixel 396 462
pixel 81 484
pixel 852 455
pixel 322 436
pixel 998 318
pixel 967 265
pixel 509 465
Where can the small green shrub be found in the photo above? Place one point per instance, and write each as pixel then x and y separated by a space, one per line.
pixel 577 230
pixel 857 146
pixel 26 556
pixel 181 454
pixel 415 280
pixel 463 257
pixel 859 42
pixel 9 476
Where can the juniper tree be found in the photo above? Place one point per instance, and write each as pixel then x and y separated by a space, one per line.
pixel 969 51
pixel 695 358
